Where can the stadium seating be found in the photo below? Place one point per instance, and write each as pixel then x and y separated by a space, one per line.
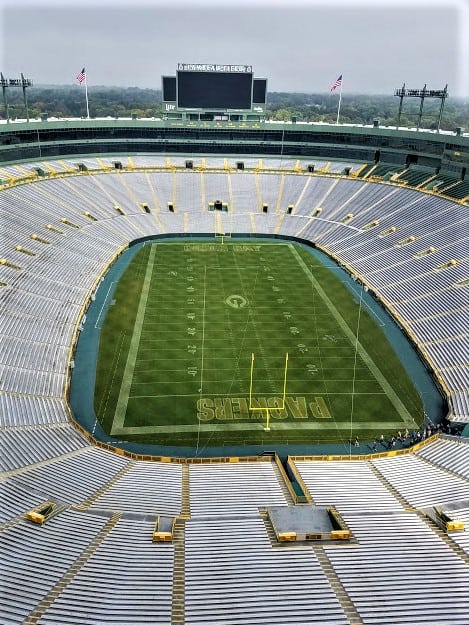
pixel 390 577
pixel 445 454
pixel 462 538
pixel 126 579
pixel 71 478
pixel 94 562
pixel 233 575
pixel 14 500
pixel 30 445
pixel 146 487
pixel 98 564
pixel 420 484
pixel 234 489
pixel 49 550
pixel 357 488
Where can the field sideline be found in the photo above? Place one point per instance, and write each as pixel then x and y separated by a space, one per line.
pixel 175 353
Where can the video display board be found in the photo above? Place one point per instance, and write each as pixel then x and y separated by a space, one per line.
pixel 259 91
pixel 169 88
pixel 214 90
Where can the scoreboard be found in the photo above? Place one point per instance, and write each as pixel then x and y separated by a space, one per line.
pixel 215 88
pixel 219 90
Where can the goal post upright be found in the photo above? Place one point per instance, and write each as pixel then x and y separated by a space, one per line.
pixel 268 409
pixel 220 232
pixel 222 236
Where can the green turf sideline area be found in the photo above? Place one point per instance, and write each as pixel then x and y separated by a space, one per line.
pixel 175 352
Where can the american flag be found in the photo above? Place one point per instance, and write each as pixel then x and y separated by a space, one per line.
pixel 337 83
pixel 81 76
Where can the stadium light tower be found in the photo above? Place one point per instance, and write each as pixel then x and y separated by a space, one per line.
pixel 440 94
pixel 25 83
pixel 5 84
pixel 22 82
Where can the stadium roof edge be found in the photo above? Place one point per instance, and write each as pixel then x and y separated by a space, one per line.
pixel 21 125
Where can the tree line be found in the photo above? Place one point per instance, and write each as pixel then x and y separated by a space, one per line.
pixel 114 102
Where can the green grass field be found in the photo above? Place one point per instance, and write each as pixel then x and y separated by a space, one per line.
pixel 175 362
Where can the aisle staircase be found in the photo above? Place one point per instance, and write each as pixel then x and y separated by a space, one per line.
pixel 178 600
pixel 342 595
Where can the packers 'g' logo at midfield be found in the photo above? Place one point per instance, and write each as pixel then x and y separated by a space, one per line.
pixel 236 301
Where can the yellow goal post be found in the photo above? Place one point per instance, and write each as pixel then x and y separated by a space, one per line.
pixel 220 231
pixel 268 409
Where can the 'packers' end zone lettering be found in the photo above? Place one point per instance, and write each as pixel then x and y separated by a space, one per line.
pixel 237 408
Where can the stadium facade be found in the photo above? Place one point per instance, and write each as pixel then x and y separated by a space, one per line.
pixel 444 152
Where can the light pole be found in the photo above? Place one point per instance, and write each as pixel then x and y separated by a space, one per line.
pixel 22 82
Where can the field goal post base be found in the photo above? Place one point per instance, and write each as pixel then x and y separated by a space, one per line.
pixel 222 236
pixel 268 409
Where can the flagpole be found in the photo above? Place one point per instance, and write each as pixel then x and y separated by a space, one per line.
pixel 340 100
pixel 86 96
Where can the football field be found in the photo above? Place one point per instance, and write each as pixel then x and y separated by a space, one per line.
pixel 208 343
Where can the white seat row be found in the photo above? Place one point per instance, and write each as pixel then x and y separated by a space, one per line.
pixel 419 483
pixel 128 579
pixel 448 454
pixel 74 478
pixel 33 559
pixel 400 570
pixel 147 487
pixel 346 485
pixel 234 576
pixel 29 445
pixel 242 488
pixel 24 410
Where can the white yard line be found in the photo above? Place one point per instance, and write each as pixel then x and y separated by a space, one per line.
pixel 253 425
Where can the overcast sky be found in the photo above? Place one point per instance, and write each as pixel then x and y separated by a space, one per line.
pixel 299 46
